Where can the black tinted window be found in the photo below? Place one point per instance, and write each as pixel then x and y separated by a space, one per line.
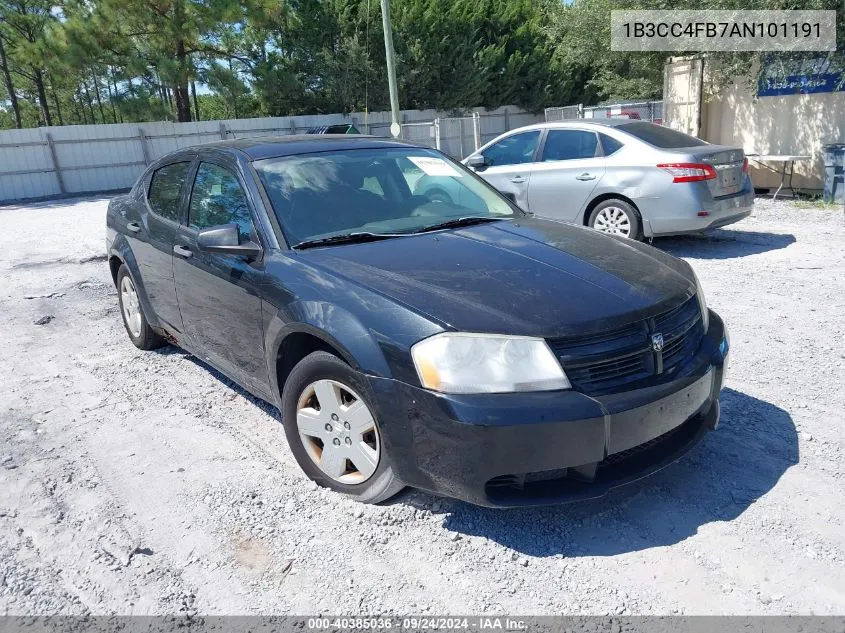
pixel 610 145
pixel 217 198
pixel 570 144
pixel 660 136
pixel 165 188
pixel 513 150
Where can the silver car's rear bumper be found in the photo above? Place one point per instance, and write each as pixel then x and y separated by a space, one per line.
pixel 679 213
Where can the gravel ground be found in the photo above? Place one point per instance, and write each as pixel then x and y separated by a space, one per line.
pixel 146 483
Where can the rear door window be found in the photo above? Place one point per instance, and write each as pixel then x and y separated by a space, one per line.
pixel 570 145
pixel 166 190
pixel 660 136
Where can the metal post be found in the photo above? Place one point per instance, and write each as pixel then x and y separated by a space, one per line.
pixel 292 127
pixel 223 131
pixel 56 167
pixel 476 129
pixel 437 133
pixel 144 147
pixel 507 121
pixel 395 128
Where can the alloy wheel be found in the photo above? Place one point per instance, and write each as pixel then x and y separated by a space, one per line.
pixel 338 431
pixel 613 220
pixel 131 306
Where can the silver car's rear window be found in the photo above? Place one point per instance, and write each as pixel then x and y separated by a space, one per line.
pixel 660 136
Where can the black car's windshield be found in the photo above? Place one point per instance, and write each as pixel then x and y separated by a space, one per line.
pixel 374 192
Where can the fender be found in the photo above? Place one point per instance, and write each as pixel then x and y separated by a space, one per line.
pixel 120 248
pixel 335 326
pixel 331 324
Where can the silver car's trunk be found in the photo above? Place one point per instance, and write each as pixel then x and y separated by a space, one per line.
pixel 726 160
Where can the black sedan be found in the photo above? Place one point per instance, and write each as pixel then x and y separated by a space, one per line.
pixel 467 349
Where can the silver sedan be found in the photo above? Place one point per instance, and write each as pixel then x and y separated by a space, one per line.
pixel 619 176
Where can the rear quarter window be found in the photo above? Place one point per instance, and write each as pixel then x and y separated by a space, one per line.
pixel 166 189
pixel 660 136
pixel 610 145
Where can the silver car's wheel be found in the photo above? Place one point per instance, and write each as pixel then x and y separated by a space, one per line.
pixel 131 306
pixel 613 220
pixel 338 431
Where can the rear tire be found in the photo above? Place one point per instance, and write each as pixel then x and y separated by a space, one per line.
pixel 332 430
pixel 616 217
pixel 137 327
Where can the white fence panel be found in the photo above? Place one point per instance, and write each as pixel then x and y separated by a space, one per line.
pixel 520 119
pixel 74 159
pixel 456 136
pixel 89 180
pixel 26 166
pixel 495 123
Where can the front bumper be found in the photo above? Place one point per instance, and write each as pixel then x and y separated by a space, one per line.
pixel 549 447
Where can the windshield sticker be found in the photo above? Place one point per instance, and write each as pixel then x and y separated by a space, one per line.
pixel 434 166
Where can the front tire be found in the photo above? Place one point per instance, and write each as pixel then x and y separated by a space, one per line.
pixel 137 327
pixel 616 217
pixel 332 430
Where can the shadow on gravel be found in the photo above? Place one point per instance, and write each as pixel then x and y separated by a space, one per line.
pixel 268 408
pixel 755 444
pixel 723 244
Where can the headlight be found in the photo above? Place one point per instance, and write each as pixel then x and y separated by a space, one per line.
pixel 702 303
pixel 457 362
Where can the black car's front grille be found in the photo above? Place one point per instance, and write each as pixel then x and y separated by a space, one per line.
pixel 613 361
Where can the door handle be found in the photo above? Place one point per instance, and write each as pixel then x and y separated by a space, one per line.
pixel 134 227
pixel 517 180
pixel 183 251
pixel 585 176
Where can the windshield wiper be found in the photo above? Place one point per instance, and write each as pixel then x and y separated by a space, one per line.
pixel 346 238
pixel 465 221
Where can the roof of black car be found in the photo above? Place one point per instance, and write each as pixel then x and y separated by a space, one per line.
pixel 261 147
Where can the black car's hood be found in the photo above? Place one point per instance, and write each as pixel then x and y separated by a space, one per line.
pixel 531 277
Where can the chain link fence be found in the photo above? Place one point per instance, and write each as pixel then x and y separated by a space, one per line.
pixel 651 111
pixel 460 136
pixel 422 132
pixel 564 113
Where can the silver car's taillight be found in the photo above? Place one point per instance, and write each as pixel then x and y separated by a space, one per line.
pixel 689 172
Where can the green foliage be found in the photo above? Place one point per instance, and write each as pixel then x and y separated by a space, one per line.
pixel 581 32
pixel 104 61
pixel 115 61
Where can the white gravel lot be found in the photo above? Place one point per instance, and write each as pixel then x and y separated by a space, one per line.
pixel 146 483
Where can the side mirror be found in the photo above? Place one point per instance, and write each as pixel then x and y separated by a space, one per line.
pixel 225 240
pixel 477 162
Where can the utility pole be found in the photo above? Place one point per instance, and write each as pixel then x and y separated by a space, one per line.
pixel 395 127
